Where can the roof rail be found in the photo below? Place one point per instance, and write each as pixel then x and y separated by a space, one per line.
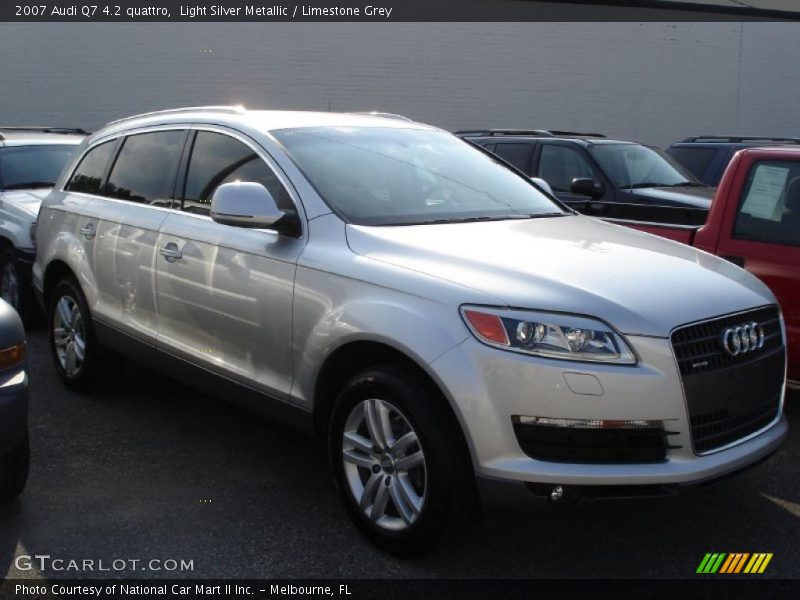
pixel 499 132
pixel 740 138
pixel 560 133
pixel 238 109
pixel 525 132
pixel 58 130
pixel 377 113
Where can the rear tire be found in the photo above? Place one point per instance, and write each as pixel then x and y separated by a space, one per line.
pixel 73 345
pixel 14 471
pixel 399 461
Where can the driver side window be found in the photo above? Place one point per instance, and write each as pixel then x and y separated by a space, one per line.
pixel 559 165
pixel 216 159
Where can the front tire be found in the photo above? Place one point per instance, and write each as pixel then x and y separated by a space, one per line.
pixel 14 471
pixel 72 341
pixel 400 464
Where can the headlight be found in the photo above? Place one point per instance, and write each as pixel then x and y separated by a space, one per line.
pixel 553 335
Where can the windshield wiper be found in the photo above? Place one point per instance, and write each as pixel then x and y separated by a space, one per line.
pixel 686 184
pixel 29 185
pixel 495 218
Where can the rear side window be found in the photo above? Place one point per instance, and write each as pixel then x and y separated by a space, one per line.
pixel 146 168
pixel 697 160
pixel 88 177
pixel 518 155
pixel 770 205
pixel 216 159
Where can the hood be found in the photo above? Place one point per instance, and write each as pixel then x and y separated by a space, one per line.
pixel 639 283
pixel 27 200
pixel 685 195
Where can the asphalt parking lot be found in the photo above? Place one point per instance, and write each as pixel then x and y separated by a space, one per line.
pixel 150 469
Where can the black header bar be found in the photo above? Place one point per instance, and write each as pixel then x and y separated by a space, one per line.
pixel 154 11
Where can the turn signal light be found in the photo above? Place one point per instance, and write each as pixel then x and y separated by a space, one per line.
pixel 489 327
pixel 12 356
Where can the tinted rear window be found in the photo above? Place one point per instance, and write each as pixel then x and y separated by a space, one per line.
pixel 88 177
pixel 518 155
pixel 146 168
pixel 697 160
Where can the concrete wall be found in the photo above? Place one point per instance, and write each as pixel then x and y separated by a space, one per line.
pixel 655 82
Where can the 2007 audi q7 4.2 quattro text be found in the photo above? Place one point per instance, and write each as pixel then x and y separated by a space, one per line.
pixel 442 321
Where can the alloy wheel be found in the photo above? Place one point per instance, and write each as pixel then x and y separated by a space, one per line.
pixel 384 464
pixel 69 335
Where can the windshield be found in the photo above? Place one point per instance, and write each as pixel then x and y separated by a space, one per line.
pixel 389 176
pixel 632 165
pixel 32 166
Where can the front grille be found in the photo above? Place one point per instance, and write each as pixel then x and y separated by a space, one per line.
pixel 730 397
pixel 607 445
pixel 697 347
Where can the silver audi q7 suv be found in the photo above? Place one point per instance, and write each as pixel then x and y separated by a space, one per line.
pixel 447 326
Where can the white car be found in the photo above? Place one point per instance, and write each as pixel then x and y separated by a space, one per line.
pixel 31 159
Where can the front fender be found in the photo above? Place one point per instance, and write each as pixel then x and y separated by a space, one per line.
pixel 420 328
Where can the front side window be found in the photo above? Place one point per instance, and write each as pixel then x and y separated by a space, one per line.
pixel 560 165
pixel 216 159
pixel 394 176
pixel 637 166
pixel 770 206
pixel 29 167
pixel 146 168
pixel 88 177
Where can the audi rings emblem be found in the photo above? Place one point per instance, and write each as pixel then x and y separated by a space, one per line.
pixel 742 339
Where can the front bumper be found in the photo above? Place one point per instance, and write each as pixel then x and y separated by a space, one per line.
pixel 487 387
pixel 13 409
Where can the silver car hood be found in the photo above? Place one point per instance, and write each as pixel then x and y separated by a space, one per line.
pixel 27 200
pixel 640 283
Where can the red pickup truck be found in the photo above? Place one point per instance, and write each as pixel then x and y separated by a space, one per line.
pixel 754 221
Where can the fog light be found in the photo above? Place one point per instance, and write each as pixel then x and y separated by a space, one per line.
pixel 556 494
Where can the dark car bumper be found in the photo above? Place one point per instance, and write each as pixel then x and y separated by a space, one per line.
pixel 13 409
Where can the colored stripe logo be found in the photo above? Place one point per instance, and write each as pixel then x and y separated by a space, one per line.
pixel 734 563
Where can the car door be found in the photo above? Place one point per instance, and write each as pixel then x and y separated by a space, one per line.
pixel 224 292
pixel 764 238
pixel 136 199
pixel 79 216
pixel 559 163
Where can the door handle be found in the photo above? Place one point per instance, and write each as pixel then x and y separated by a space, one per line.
pixel 88 231
pixel 171 252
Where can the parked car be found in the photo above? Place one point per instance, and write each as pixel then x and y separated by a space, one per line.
pixel 13 405
pixel 439 320
pixel 707 156
pixel 754 223
pixel 30 160
pixel 599 176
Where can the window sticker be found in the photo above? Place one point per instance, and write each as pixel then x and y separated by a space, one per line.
pixel 766 191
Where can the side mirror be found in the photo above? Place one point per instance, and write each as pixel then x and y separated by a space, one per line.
pixel 587 187
pixel 542 184
pixel 245 204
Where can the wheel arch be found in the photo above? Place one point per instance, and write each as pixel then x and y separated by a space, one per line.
pixel 357 355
